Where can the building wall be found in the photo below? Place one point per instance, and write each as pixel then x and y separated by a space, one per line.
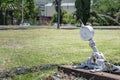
pixel 68 1
pixel 69 9
pixel 49 1
pixel 49 10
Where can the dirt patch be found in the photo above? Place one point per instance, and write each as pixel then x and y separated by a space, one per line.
pixel 2 68
pixel 24 70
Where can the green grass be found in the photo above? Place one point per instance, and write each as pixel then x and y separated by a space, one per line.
pixel 51 46
pixel 41 75
pixel 35 47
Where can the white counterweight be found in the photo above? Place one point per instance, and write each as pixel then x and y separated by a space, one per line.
pixel 87 34
pixel 96 62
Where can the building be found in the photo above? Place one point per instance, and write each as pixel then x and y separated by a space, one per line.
pixel 50 9
pixel 67 5
pixel 41 4
pixel 47 8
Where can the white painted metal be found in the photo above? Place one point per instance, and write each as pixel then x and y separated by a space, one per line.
pixel 93 46
pixel 86 33
pixel 96 62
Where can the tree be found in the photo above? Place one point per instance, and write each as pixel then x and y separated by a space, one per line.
pixel 13 9
pixel 82 10
pixel 6 9
pixel 54 19
pixel 1 12
pixel 36 11
pixel 107 12
pixel 56 2
pixel 67 18
pixel 29 9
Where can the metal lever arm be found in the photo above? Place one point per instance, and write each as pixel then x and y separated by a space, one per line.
pixel 93 46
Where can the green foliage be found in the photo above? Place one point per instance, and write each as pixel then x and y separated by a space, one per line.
pixel 30 10
pixel 82 10
pixel 55 16
pixel 103 12
pixel 54 19
pixel 106 6
pixel 36 11
pixel 67 18
pixel 107 11
pixel 6 7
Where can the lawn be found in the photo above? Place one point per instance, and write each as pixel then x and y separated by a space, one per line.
pixel 35 47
